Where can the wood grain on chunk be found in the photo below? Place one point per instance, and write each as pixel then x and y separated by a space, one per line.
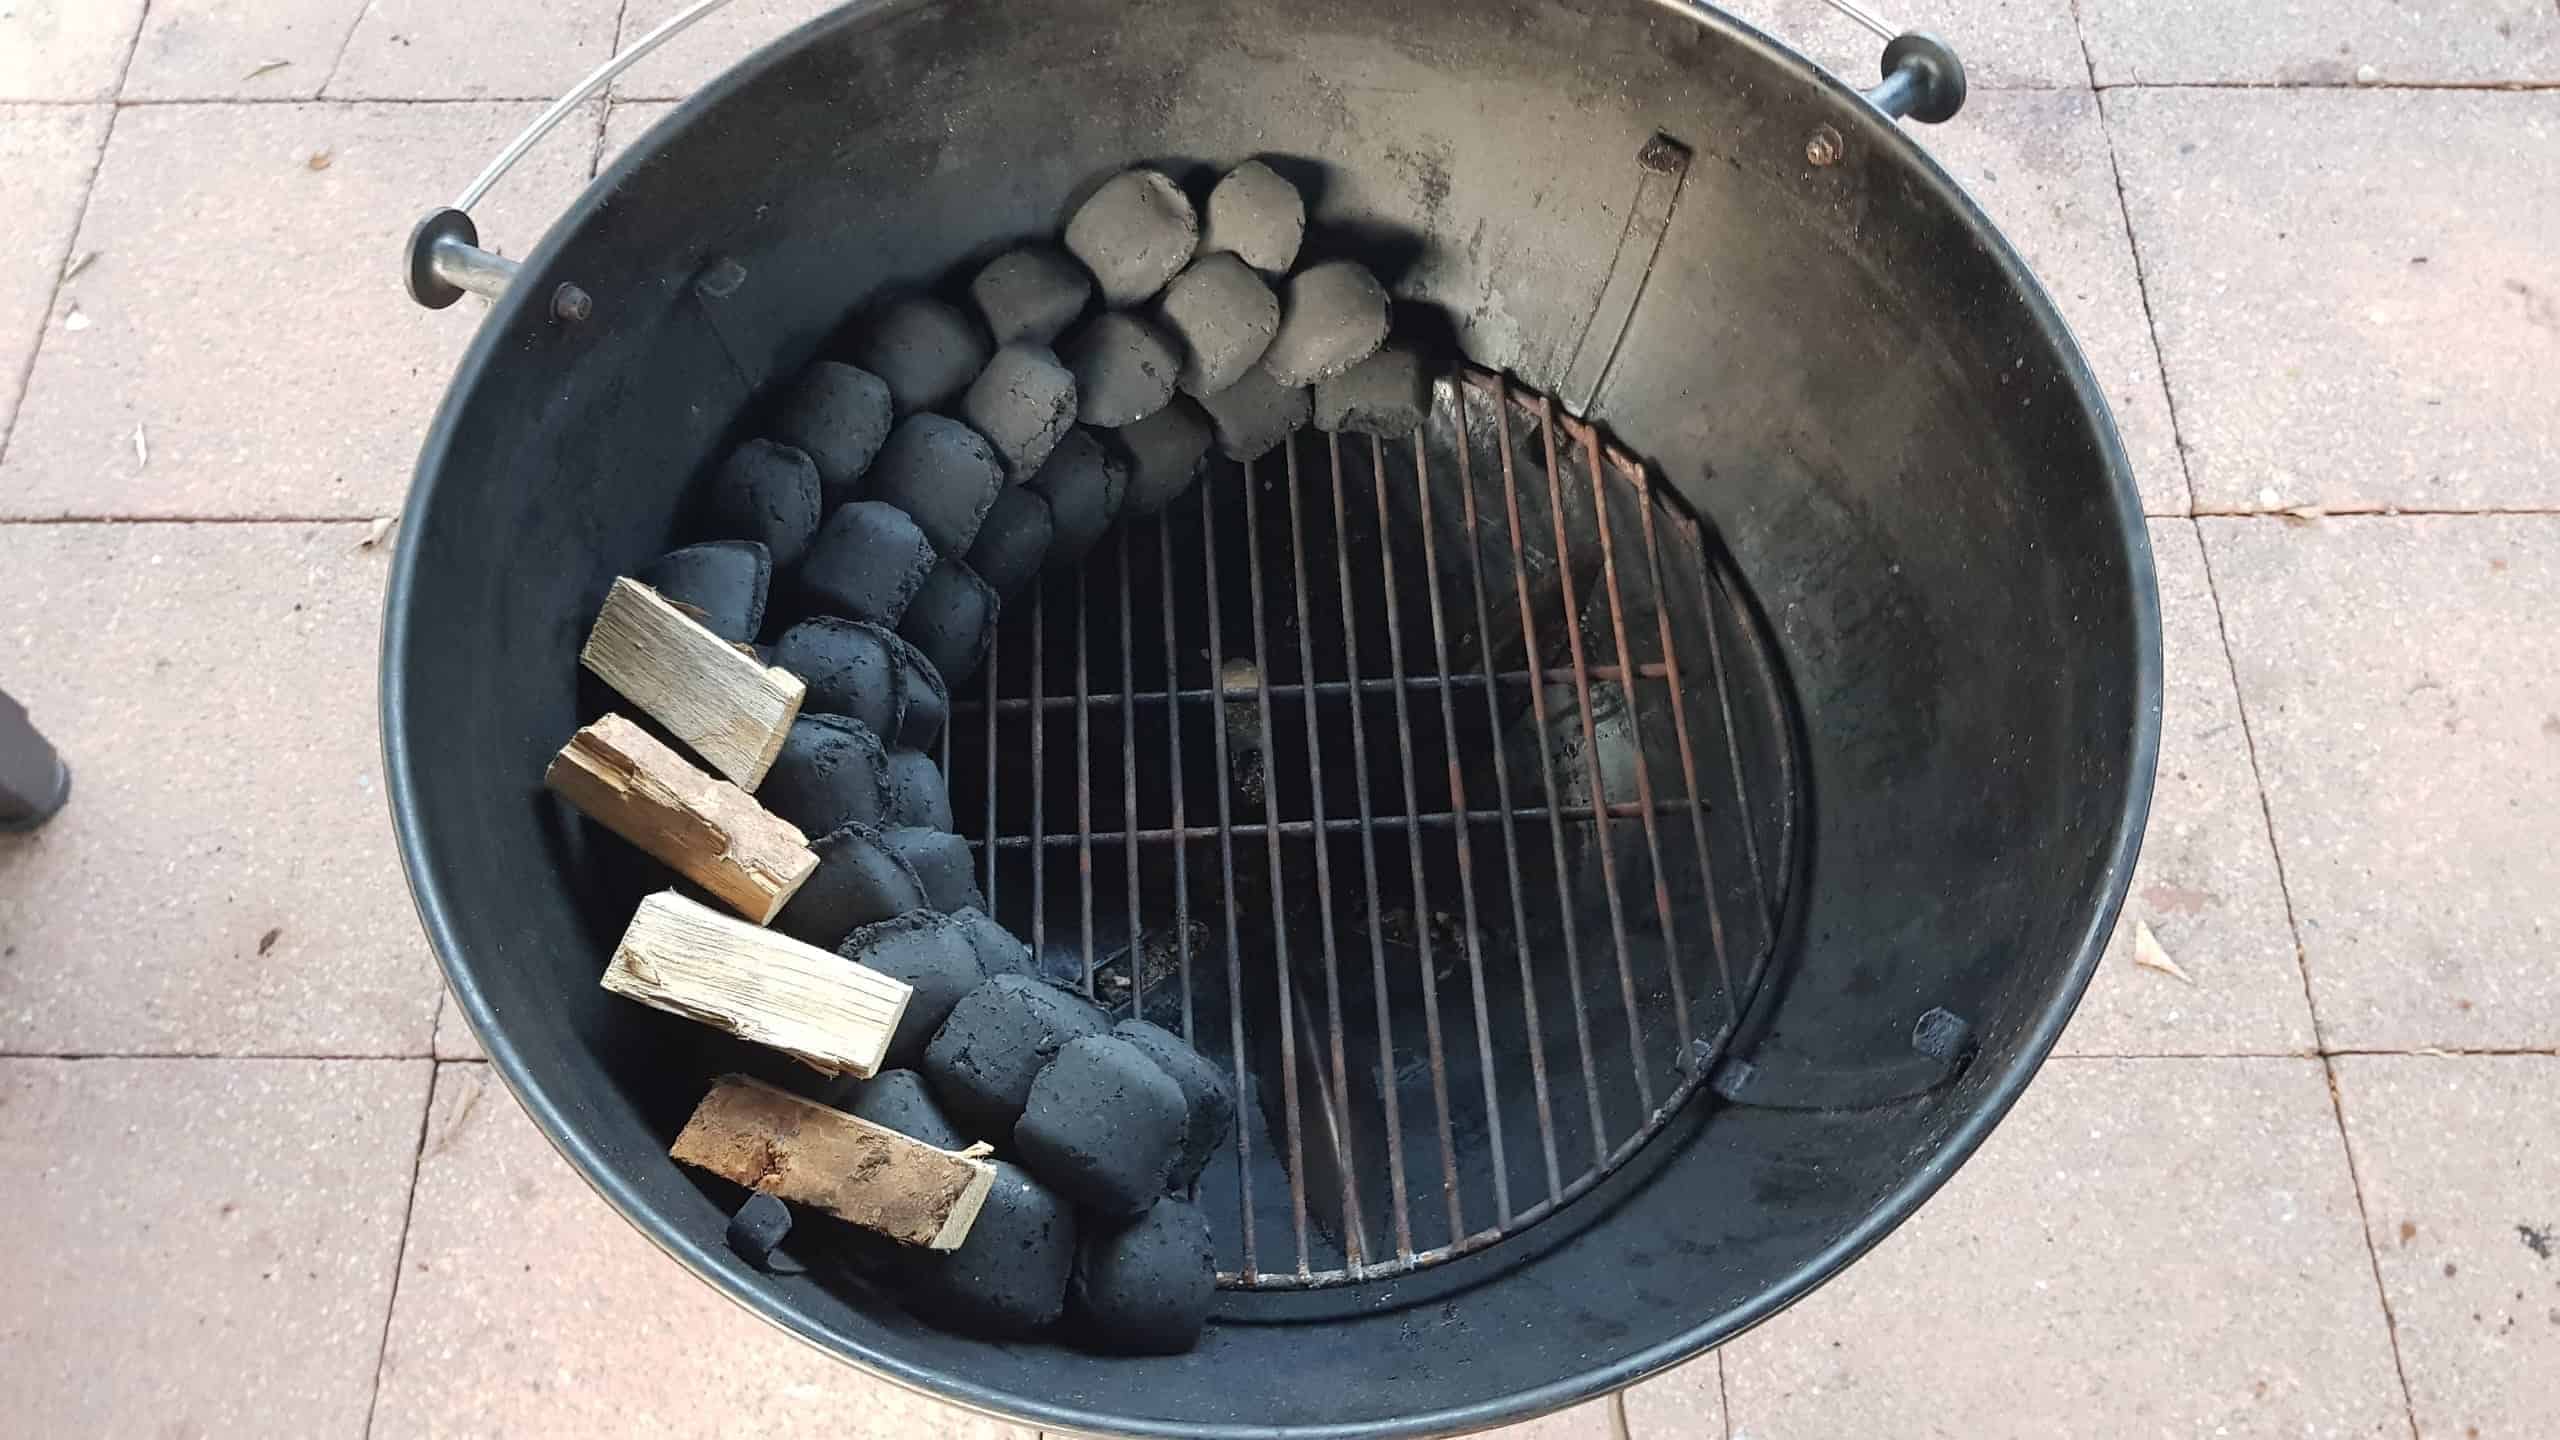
pixel 732 708
pixel 773 1141
pixel 710 831
pixel 689 959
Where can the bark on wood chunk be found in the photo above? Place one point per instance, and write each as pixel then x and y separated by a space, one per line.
pixel 688 959
pixel 706 829
pixel 730 707
pixel 775 1142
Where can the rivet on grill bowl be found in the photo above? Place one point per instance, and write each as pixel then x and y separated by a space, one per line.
pixel 1823 146
pixel 571 304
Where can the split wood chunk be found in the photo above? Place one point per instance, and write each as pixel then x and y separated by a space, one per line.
pixel 710 831
pixel 869 1175
pixel 689 959
pixel 732 708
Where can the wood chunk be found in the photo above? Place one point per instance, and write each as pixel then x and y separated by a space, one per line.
pixel 777 1143
pixel 688 959
pixel 708 830
pixel 731 707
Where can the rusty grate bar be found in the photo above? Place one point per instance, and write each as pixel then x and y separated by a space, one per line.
pixel 1227 872
pixel 1173 787
pixel 1322 689
pixel 1331 825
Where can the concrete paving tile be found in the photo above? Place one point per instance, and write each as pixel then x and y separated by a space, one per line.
pixel 454 1040
pixel 2460 1167
pixel 245 311
pixel 710 46
pixel 528 1307
pixel 249 49
pixel 2357 293
pixel 2038 163
pixel 224 879
pixel 1684 1404
pixel 2207 882
pixel 2145 1247
pixel 199 1247
pixel 1594 1421
pixel 629 121
pixel 2321 42
pixel 65 49
pixel 2403 683
pixel 2003 43
pixel 440 50
pixel 47 153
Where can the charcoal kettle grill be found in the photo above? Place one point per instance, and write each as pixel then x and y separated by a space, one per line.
pixel 1629 839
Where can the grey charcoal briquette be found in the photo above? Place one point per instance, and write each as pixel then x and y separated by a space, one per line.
pixel 943 474
pixel 831 770
pixel 1332 317
pixel 1009 1278
pixel 724 581
pixel 1224 316
pixel 1000 951
pixel 996 1041
pixel 857 883
pixel 867 563
pixel 759 1226
pixel 1030 295
pixel 951 620
pixel 1085 484
pixel 1255 414
pixel 929 952
pixel 1257 216
pixel 899 1100
pixel 1134 234
pixel 1208 1099
pixel 918 795
pixel 837 416
pixel 850 669
pixel 1144 1288
pixel 925 351
pixel 768 493
pixel 1023 403
pixel 1165 451
pixel 1102 1126
pixel 1013 542
pixel 1386 395
pixel 1125 367
pixel 923 693
pixel 942 861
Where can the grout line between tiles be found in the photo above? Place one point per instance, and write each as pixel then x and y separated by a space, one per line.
pixel 1618 1416
pixel 280 1058
pixel 346 42
pixel 400 1252
pixel 36 520
pixel 2142 286
pixel 1724 1394
pixel 604 112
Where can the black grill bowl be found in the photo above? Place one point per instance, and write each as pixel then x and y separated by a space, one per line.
pixel 1843 369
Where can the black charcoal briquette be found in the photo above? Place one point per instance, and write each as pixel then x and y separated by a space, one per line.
pixel 932 954
pixel 1030 295
pixel 1000 951
pixel 1332 317
pixel 942 861
pixel 1134 234
pixel 830 771
pixel 997 1040
pixel 1009 1278
pixel 1085 484
pixel 1165 451
pixel 723 581
pixel 1208 1099
pixel 918 795
pixel 759 1225
pixel 1224 316
pixel 867 563
pixel 943 474
pixel 1102 1126
pixel 767 493
pixel 1255 414
pixel 925 351
pixel 1011 545
pixel 899 1100
pixel 1258 216
pixel 1144 1288
pixel 923 692
pixel 850 669
pixel 857 882
pixel 837 416
pixel 953 615
pixel 1385 395
pixel 1125 367
pixel 1023 403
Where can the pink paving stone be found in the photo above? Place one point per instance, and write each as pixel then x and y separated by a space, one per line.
pixel 246 311
pixel 527 1307
pixel 473 50
pixel 2207 881
pixel 220 49
pixel 2144 1247
pixel 2357 293
pixel 454 1040
pixel 629 121
pixel 1683 1404
pixel 46 153
pixel 2403 683
pixel 2003 43
pixel 223 880
pixel 2322 42
pixel 199 1247
pixel 1593 1421
pixel 2460 1167
pixel 64 49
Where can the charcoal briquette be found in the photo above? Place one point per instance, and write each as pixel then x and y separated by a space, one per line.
pixel 1332 317
pixel 1208 1099
pixel 830 771
pixel 857 882
pixel 922 691
pixel 951 620
pixel 768 493
pixel 1125 367
pixel 1085 484
pixel 1030 295
pixel 996 1042
pixel 899 1100
pixel 850 669
pixel 943 474
pixel 1013 542
pixel 1000 951
pixel 1385 395
pixel 930 952
pixel 1257 216
pixel 1255 414
pixel 925 351
pixel 723 581
pixel 1144 1288
pixel 1009 1278
pixel 867 563
pixel 1134 234
pixel 837 416
pixel 1103 1125
pixel 759 1225
pixel 1165 451
pixel 918 794
pixel 1023 403
pixel 1224 317
pixel 942 861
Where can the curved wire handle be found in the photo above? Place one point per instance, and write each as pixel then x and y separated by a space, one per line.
pixel 1864 17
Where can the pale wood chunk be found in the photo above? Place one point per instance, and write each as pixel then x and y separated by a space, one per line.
pixel 688 959
pixel 732 708
pixel 710 831
pixel 869 1175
